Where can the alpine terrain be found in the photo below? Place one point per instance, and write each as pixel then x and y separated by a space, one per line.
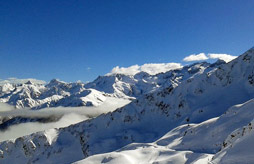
pixel 200 113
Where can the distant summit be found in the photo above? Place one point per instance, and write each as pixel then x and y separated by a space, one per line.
pixel 29 82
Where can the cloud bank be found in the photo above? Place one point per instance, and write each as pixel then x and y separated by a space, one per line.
pixel 151 68
pixel 202 56
pixel 65 116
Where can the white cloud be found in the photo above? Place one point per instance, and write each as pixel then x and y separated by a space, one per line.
pixel 225 57
pixel 195 57
pixel 132 70
pixel 151 68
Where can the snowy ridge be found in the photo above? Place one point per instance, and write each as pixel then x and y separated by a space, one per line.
pixel 123 85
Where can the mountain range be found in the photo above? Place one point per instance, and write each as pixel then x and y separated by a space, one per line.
pixel 201 113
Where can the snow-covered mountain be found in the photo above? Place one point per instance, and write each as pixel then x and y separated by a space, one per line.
pixel 184 116
pixel 55 93
pixel 124 85
pixel 59 93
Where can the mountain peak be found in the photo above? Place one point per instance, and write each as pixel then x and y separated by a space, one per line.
pixel 218 62
pixel 54 82
pixel 29 82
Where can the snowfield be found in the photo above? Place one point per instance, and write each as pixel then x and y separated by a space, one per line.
pixel 148 154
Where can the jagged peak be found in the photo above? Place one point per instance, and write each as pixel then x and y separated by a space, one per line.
pixel 54 82
pixel 141 74
pixel 218 62
pixel 29 82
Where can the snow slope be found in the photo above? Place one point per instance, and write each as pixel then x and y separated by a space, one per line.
pixel 194 143
pixel 148 154
pixel 238 147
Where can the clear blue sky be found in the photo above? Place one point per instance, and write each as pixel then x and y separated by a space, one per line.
pixel 47 39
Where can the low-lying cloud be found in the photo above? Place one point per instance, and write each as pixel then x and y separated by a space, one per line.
pixel 152 68
pixel 202 56
pixel 64 117
pixel 23 129
pixel 6 107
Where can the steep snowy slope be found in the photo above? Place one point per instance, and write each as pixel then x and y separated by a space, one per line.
pixel 195 143
pixel 238 147
pixel 196 99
